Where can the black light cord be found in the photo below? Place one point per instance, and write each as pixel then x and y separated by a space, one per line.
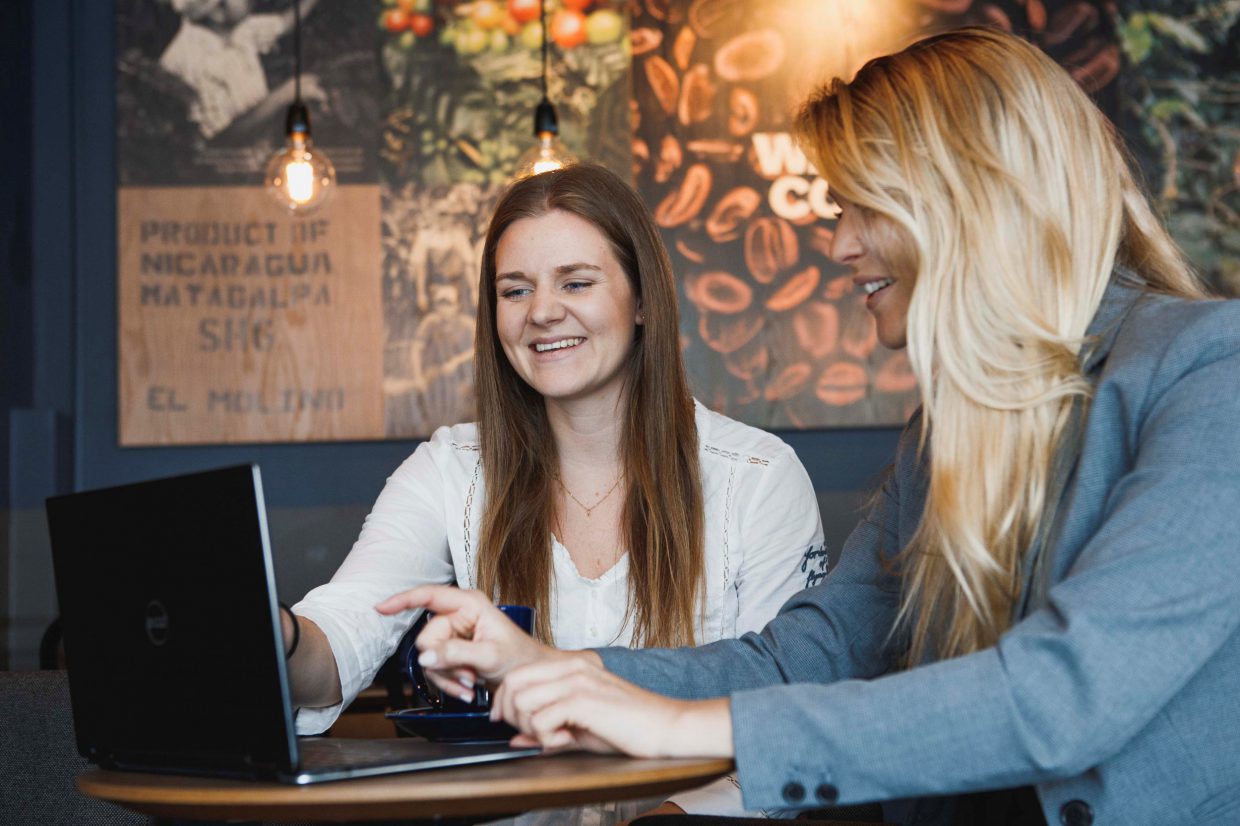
pixel 297 53
pixel 542 13
pixel 288 655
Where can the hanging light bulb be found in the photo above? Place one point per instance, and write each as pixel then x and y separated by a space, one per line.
pixel 299 177
pixel 548 153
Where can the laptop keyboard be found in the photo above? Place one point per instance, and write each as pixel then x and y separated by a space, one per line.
pixel 335 752
pixel 328 752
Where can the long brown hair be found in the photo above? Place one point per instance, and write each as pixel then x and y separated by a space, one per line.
pixel 662 520
pixel 1013 204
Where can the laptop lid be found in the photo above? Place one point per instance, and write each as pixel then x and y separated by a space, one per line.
pixel 167 599
pixel 173 644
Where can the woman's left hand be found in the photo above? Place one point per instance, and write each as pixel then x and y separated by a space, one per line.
pixel 570 703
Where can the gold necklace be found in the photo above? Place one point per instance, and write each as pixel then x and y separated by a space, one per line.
pixel 589 509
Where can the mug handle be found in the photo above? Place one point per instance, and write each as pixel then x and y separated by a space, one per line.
pixel 408 658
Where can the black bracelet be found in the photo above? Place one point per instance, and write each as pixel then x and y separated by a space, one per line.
pixel 288 655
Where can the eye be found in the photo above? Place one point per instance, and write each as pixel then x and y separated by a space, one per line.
pixel 578 286
pixel 513 293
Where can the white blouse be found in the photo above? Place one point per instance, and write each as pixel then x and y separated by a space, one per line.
pixel 763 543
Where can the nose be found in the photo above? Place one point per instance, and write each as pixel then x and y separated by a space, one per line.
pixel 846 246
pixel 546 307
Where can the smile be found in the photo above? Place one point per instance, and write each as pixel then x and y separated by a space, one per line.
pixel 562 344
pixel 872 287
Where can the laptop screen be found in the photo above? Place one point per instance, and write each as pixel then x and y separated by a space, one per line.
pixel 170 621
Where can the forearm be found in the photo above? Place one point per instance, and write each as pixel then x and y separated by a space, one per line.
pixel 313 678
pixel 702 728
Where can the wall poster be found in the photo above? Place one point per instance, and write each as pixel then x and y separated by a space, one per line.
pixel 237 323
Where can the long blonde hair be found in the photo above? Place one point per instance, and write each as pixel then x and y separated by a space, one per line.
pixel 663 518
pixel 1012 204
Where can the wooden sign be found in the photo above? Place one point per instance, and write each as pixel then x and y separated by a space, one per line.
pixel 238 323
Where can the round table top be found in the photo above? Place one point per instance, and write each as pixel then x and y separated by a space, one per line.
pixel 565 779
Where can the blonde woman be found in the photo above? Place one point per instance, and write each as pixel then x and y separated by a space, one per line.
pixel 593 488
pixel 1037 619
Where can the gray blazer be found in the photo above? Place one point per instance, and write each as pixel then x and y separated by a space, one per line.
pixel 1117 694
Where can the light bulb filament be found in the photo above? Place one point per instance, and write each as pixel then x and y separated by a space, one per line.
pixel 299 181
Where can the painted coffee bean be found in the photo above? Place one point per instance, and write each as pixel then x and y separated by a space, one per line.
pixel 687 201
pixel 697 96
pixel 837 288
pixel 645 40
pixel 729 333
pixel 996 16
pixel 721 292
pixel 820 238
pixel 742 111
pixel 794 291
pixel 750 56
pixel 663 82
pixel 747 362
pixel 770 245
pixel 682 246
pixel 711 18
pixel 1067 21
pixel 817 328
pixel 860 336
pixel 895 376
pixel 791 380
pixel 1098 70
pixel 732 210
pixel 682 47
pixel 1035 13
pixel 670 158
pixel 841 384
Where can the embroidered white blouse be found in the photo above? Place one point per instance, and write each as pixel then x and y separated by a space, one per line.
pixel 763 543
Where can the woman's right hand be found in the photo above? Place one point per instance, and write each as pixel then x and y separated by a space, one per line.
pixel 468 638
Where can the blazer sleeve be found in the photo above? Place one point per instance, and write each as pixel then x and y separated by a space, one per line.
pixel 833 630
pixel 1149 599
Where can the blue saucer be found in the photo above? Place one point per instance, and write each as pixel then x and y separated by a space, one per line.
pixel 452 726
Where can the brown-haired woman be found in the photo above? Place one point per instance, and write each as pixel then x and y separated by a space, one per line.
pixel 593 487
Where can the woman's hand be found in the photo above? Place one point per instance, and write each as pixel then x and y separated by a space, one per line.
pixel 560 703
pixel 468 638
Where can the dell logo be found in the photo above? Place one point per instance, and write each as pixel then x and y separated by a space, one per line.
pixel 156 622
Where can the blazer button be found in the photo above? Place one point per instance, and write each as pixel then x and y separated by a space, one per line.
pixel 794 792
pixel 827 793
pixel 1076 813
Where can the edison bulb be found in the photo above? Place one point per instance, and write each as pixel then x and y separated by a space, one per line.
pixel 546 155
pixel 300 177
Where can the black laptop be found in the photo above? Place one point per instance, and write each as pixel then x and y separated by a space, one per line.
pixel 172 639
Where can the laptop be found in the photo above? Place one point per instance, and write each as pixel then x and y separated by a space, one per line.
pixel 173 644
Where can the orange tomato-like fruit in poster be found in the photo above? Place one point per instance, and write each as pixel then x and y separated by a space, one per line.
pixel 524 11
pixel 568 28
pixel 422 24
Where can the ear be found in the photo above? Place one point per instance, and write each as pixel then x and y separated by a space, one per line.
pixel 640 318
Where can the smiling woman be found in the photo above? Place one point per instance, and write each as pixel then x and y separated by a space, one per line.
pixel 566 314
pixel 593 488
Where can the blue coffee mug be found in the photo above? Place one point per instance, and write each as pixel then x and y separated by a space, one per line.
pixel 522 615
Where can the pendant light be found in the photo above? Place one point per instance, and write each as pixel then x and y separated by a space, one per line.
pixel 548 153
pixel 299 177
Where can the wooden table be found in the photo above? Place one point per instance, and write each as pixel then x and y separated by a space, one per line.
pixel 490 789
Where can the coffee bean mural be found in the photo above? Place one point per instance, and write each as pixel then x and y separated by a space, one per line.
pixel 774 333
